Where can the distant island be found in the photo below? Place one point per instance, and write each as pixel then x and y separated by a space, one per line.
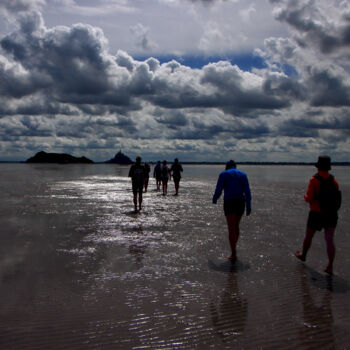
pixel 60 158
pixel 120 158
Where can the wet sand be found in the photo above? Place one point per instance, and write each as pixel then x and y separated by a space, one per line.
pixel 80 270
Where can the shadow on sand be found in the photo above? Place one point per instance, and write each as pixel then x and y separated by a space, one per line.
pixel 228 266
pixel 333 283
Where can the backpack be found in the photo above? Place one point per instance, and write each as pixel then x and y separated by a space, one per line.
pixel 165 170
pixel 138 174
pixel 329 197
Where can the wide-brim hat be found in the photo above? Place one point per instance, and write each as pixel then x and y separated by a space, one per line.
pixel 323 163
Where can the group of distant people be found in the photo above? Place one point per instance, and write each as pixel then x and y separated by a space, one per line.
pixel 323 196
pixel 140 174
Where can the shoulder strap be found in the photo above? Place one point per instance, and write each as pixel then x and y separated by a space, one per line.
pixel 320 178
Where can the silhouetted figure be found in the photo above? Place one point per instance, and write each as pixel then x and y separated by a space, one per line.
pixel 165 174
pixel 176 170
pixel 147 171
pixel 236 197
pixel 157 173
pixel 324 198
pixel 137 174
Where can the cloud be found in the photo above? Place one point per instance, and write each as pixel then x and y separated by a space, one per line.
pixel 142 36
pixel 325 24
pixel 19 6
pixel 62 88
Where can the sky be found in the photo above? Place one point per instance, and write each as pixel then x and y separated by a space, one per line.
pixel 201 80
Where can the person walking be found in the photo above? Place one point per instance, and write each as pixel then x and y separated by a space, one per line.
pixel 165 174
pixel 176 170
pixel 137 174
pixel 324 199
pixel 157 173
pixel 237 197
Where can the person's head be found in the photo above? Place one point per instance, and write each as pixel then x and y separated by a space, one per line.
pixel 158 162
pixel 323 163
pixel 138 160
pixel 176 160
pixel 230 164
pixel 164 162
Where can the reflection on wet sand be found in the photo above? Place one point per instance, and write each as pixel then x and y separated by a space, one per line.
pixel 229 311
pixel 317 328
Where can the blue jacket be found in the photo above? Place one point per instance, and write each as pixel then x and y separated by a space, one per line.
pixel 235 185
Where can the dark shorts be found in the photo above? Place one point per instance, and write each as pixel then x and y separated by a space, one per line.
pixel 234 206
pixel 177 178
pixel 318 221
pixel 137 187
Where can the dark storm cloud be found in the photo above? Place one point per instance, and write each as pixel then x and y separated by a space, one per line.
pixel 328 90
pixel 70 59
pixel 173 119
pixel 285 87
pixel 319 122
pixel 304 16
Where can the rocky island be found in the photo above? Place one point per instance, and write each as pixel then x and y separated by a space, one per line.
pixel 60 158
pixel 120 158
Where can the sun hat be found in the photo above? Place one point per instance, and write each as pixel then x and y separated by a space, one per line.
pixel 323 163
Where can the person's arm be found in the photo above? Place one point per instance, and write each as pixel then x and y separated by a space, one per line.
pixel 218 189
pixel 310 193
pixel 248 196
pixel 131 171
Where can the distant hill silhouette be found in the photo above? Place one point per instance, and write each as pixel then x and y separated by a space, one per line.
pixel 61 158
pixel 120 158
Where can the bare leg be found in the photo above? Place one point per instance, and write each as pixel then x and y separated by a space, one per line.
pixel 328 235
pixel 135 201
pixel 140 200
pixel 165 187
pixel 306 244
pixel 233 221
pixel 177 183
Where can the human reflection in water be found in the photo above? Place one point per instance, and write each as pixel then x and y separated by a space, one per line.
pixel 137 247
pixel 317 329
pixel 137 251
pixel 229 312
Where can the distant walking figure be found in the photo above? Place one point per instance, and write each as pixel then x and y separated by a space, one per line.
pixel 137 174
pixel 176 170
pixel 157 173
pixel 165 174
pixel 324 198
pixel 236 197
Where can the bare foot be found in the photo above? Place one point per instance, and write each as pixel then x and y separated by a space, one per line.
pixel 328 270
pixel 232 257
pixel 299 255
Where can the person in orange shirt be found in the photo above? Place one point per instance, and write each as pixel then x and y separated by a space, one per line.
pixel 319 219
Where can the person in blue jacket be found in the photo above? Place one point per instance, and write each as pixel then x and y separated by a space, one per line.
pixel 237 197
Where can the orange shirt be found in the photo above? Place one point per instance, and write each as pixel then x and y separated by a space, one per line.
pixel 314 188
